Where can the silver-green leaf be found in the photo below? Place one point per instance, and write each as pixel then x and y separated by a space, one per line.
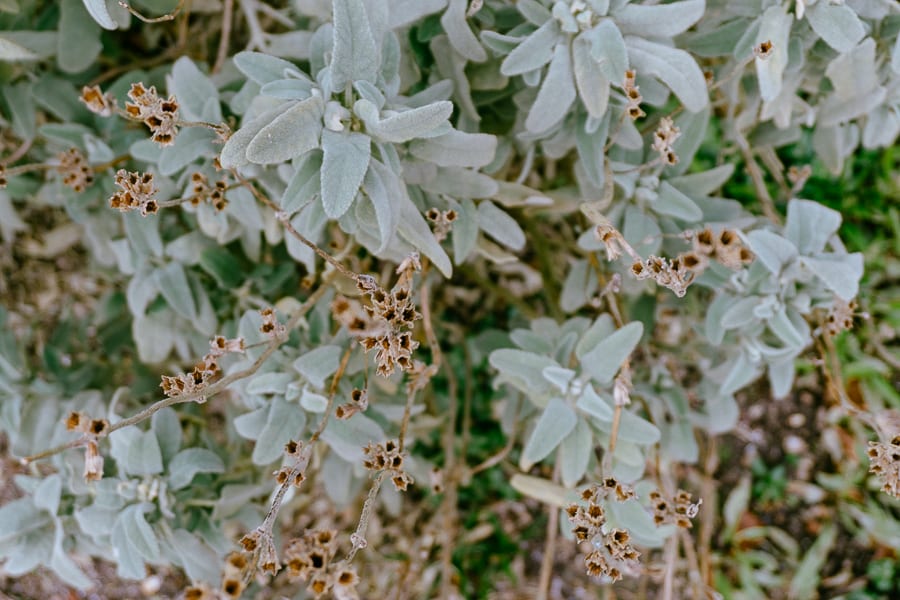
pixel 555 423
pixel 292 133
pixel 344 165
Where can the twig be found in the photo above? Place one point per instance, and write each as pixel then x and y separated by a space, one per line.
pixel 169 16
pixel 495 459
pixel 19 152
pixel 759 184
pixel 21 169
pixel 285 220
pixel 549 545
pixel 224 35
pixel 359 535
pixel 303 460
pixel 257 35
pixel 671 554
pixel 204 393
pixel 707 515
pixel 882 351
pixel 276 16
pixel 407 411
pixel 448 505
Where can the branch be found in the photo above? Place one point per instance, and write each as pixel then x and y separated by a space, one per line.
pixel 284 218
pixel 199 395
pixel 169 16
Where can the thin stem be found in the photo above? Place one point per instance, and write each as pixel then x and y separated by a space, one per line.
pixel 201 394
pixel 497 458
pixel 257 35
pixel 224 35
pixel 220 128
pixel 12 171
pixel 450 471
pixel 671 554
pixel 549 545
pixel 169 16
pixel 614 432
pixel 192 197
pixel 303 460
pixel 759 184
pixel 366 512
pixel 19 152
pixel 407 411
pixel 707 515
pixel 284 218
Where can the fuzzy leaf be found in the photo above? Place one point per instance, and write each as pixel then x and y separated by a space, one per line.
pixel 774 27
pixel 659 20
pixel 456 149
pixel 173 285
pixel 592 84
pixel 771 249
pixel 840 272
pixel 675 68
pixel 100 13
pixel 670 201
pixel 305 184
pixel 191 461
pixel 465 231
pixel 579 286
pixel 409 124
pixel 532 53
pixel 198 560
pixel 316 365
pixel 543 490
pixel 461 37
pixel 500 226
pixel 554 424
pixel 523 369
pixel 292 133
pixel 591 403
pixel 285 422
pixel 355 53
pixel 836 24
pixel 79 38
pixel 608 49
pixel 264 68
pixel 348 438
pixel 575 453
pixel 344 164
pixel 193 90
pixel 556 94
pixel 234 153
pixel 810 225
pixel 604 360
pixel 138 532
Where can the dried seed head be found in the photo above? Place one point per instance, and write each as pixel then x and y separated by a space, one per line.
pixel 75 171
pixel 75 421
pixel 763 50
pixel 93 462
pixel 98 427
pixel 96 101
pixel 232 587
pixel 161 116
pixel 136 192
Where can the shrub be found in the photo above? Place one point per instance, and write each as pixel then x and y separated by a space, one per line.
pixel 332 247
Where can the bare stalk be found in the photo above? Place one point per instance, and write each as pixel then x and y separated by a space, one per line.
pixel 284 218
pixel 169 16
pixel 549 545
pixel 224 35
pixel 198 395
